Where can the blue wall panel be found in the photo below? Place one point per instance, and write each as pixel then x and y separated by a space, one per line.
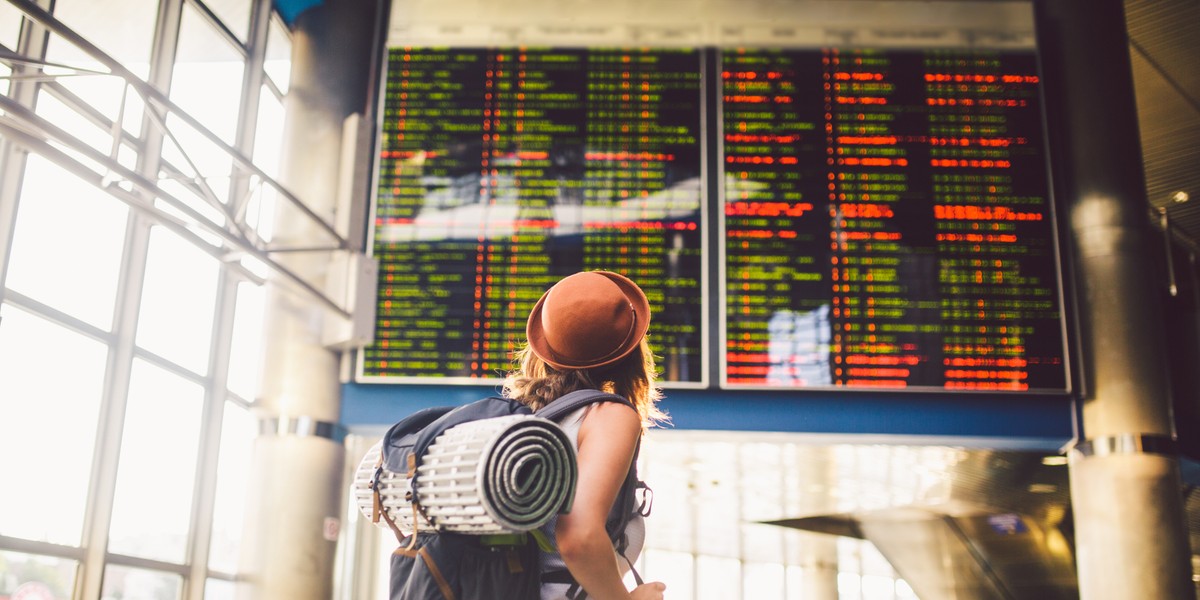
pixel 1011 422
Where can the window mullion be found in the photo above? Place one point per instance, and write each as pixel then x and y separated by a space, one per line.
pixel 204 499
pixel 31 44
pixel 101 495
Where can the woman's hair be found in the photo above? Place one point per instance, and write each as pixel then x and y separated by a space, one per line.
pixel 536 384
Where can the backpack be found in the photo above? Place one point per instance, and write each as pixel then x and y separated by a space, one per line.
pixel 472 558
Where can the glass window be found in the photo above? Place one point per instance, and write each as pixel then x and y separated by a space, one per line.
pixel 51 380
pixel 761 580
pixel 123 30
pixel 717 578
pixel 52 109
pixel 10 25
pixel 233 479
pixel 219 589
pixel 671 568
pixel 244 353
pixel 66 249
pixel 159 446
pixel 139 584
pixel 796 580
pixel 849 586
pixel 278 63
pixel 33 576
pixel 207 81
pixel 10 34
pixel 268 133
pixel 178 301
pixel 235 14
pixel 4 72
pixel 878 587
pixel 194 156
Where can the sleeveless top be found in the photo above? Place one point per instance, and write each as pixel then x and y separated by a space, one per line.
pixel 635 531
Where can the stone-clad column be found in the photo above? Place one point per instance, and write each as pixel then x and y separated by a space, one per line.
pixel 1131 537
pixel 297 488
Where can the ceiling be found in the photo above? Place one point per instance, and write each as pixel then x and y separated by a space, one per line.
pixel 1165 52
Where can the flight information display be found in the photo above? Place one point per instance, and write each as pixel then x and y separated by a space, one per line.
pixel 502 170
pixel 887 221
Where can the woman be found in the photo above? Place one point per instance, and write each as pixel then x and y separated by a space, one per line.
pixel 588 331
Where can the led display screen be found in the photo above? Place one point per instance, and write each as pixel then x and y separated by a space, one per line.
pixel 870 219
pixel 887 221
pixel 503 170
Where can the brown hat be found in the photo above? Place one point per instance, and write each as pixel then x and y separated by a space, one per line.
pixel 588 320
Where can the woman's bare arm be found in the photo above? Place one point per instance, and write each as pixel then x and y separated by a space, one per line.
pixel 607 440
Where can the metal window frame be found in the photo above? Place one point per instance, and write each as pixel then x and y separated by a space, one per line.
pixel 23 131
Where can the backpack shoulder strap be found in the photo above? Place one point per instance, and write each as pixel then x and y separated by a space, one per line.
pixel 576 400
pixel 627 503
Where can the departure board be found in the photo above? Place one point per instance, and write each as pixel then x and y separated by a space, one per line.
pixel 887 221
pixel 502 170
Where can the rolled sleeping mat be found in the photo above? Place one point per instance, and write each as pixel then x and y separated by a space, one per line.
pixel 394 494
pixel 499 475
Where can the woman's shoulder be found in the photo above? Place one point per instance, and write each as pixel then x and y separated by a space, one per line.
pixel 612 417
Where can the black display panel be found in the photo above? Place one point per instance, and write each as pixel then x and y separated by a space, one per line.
pixel 887 222
pixel 501 170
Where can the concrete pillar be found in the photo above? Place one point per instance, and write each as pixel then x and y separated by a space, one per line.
pixel 297 486
pixel 1131 537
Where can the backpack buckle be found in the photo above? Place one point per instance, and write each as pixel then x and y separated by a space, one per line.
pixel 646 499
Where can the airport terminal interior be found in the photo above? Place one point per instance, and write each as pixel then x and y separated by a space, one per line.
pixel 923 277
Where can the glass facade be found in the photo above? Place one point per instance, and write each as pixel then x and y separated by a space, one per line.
pixel 121 387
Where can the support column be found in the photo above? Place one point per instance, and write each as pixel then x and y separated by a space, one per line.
pixel 297 490
pixel 1131 537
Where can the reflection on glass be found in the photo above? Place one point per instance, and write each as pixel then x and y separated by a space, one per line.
pixel 159 446
pixel 278 63
pixel 207 81
pixel 233 477
pixel 44 498
pixel 36 577
pixel 798 347
pixel 139 584
pixel 178 301
pixel 82 251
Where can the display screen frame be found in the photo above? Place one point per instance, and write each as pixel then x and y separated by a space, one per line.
pixel 704 365
pixel 1054 240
